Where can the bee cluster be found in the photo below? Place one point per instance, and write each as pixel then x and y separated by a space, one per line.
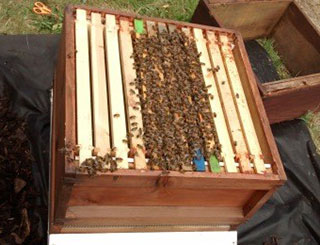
pixel 99 164
pixel 177 119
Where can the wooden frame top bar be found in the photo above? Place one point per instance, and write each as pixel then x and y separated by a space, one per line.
pixel 70 14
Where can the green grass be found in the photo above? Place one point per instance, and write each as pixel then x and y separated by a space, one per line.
pixel 16 16
pixel 268 45
pixel 313 122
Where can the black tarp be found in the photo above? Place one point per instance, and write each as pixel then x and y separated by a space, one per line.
pixel 291 216
pixel 26 66
pixel 261 63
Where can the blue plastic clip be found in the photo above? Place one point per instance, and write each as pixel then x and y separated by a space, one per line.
pixel 199 161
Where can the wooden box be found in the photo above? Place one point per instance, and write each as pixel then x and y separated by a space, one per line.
pixel 96 49
pixel 296 39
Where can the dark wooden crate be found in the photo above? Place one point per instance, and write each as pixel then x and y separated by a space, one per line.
pixel 150 200
pixel 297 41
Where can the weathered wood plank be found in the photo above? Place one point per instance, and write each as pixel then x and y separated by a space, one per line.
pixel 117 109
pixel 244 17
pixel 242 105
pixel 84 120
pixel 99 87
pixel 283 86
pixel 132 100
pixel 215 103
pixel 300 93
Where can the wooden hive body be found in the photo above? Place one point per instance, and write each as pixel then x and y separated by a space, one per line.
pixel 135 198
pixel 296 39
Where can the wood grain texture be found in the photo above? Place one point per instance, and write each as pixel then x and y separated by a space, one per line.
pixel 176 180
pixel 84 119
pixel 256 202
pixel 131 216
pixel 132 100
pixel 63 115
pixel 253 19
pixel 123 196
pixel 117 105
pixel 99 87
pixel 202 15
pixel 294 34
pixel 228 102
pixel 282 20
pixel 215 103
pixel 115 226
pixel 286 85
pixel 297 42
pixel 149 211
pixel 242 105
pixel 289 99
pixel 68 119
pixel 260 121
pixel 148 181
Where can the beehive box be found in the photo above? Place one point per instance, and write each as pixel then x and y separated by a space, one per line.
pixel 92 111
pixel 296 39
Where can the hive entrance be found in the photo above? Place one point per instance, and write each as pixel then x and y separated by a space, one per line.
pixel 158 95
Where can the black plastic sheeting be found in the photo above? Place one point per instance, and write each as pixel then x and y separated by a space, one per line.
pixel 261 63
pixel 26 66
pixel 291 216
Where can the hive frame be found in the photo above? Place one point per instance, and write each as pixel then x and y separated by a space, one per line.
pixel 65 181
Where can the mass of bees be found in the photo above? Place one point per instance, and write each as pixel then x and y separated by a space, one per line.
pixel 176 113
pixel 174 101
